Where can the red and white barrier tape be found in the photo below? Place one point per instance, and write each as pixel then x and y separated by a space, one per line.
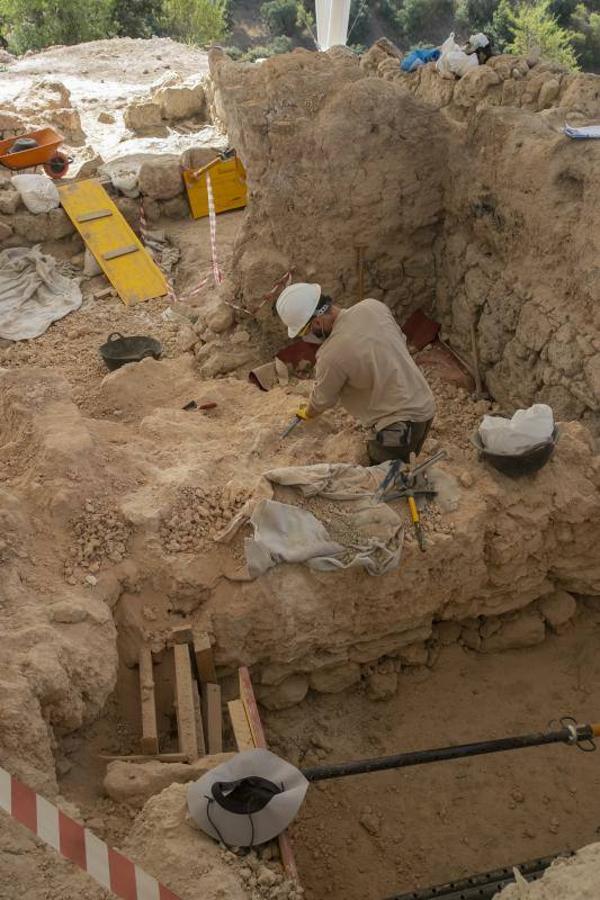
pixel 108 867
pixel 217 274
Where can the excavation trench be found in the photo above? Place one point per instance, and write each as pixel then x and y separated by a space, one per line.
pixel 491 632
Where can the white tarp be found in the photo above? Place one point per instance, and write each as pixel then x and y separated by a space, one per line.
pixel 288 533
pixel 332 22
pixel 33 293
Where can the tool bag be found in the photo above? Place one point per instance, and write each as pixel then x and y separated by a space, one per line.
pixel 396 435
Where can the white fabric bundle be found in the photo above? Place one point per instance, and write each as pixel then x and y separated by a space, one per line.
pixel 527 429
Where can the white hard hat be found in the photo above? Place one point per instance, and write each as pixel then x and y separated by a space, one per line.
pixel 296 305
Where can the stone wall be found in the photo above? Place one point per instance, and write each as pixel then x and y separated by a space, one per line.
pixel 470 201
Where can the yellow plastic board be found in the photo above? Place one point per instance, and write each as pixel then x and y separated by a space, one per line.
pixel 121 256
pixel 228 180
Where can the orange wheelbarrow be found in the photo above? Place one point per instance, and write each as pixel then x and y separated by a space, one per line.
pixel 37 148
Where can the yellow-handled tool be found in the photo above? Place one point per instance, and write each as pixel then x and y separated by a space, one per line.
pixel 416 520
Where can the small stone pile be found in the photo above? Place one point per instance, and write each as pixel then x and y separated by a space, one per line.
pixel 100 534
pixel 199 514
pixel 261 881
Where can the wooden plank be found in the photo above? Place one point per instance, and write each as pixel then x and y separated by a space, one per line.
pixel 135 276
pixel 182 634
pixel 198 718
pixel 121 251
pixel 249 700
pixel 92 216
pixel 250 706
pixel 184 694
pixel 213 717
pixel 138 757
pixel 205 658
pixel 149 740
pixel 241 728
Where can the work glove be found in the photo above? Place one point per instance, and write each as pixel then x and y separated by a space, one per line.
pixel 303 413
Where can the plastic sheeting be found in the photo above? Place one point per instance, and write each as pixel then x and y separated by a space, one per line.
pixel 33 293
pixel 333 17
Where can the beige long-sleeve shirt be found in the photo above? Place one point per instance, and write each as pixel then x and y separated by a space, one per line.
pixel 365 364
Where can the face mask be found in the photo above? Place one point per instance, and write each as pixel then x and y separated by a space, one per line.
pixel 321 332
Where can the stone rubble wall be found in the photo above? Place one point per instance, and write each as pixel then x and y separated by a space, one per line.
pixel 470 202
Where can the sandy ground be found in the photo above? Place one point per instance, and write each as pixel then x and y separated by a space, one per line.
pixel 368 837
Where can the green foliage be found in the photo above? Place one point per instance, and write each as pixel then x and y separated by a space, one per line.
pixel 35 24
pixel 534 27
pixel 587 37
pixel 137 18
pixel 475 15
pixel 359 24
pixel 195 21
pixel 428 20
pixel 280 16
pixel 280 44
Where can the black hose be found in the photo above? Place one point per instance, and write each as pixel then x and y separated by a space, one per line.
pixel 484 885
pixel 566 735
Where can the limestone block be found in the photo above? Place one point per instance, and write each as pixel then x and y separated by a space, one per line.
pixel 473 86
pixel 160 178
pixel 447 633
pixel 414 655
pixel 197 157
pixel 134 783
pixel 524 631
pixel 220 318
pixel 180 101
pixel 557 609
pixel 34 228
pixel 591 368
pixel 10 200
pixel 335 679
pixel 59 224
pixel 67 612
pixel 142 115
pixel 222 361
pixel 549 91
pixel 186 338
pixel 177 208
pixel 533 329
pixel 382 685
pixel 287 693
pixel 563 350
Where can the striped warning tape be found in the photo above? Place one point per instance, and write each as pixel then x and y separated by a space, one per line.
pixel 108 867
pixel 217 274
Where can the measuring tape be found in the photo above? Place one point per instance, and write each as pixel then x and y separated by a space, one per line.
pixel 73 841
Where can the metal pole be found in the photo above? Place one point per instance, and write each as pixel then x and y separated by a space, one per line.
pixel 569 734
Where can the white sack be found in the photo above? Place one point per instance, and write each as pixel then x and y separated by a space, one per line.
pixel 33 293
pixel 527 429
pixel 453 60
pixel 38 192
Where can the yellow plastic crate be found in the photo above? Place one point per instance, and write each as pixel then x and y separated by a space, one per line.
pixel 228 179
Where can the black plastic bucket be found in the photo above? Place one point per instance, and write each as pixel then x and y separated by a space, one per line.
pixel 119 350
pixel 513 465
